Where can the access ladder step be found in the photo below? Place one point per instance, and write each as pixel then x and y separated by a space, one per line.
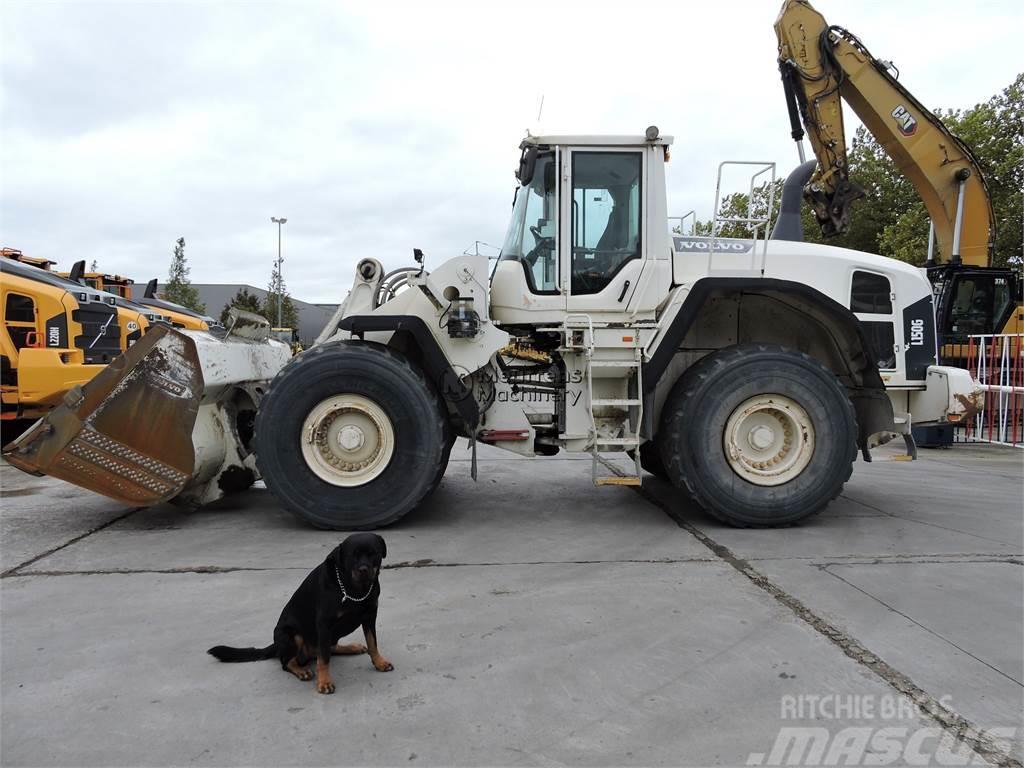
pixel 614 363
pixel 617 480
pixel 613 401
pixel 618 441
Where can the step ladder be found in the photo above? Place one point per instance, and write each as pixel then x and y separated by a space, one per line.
pixel 601 466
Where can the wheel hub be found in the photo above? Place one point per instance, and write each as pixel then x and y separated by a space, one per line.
pixel 761 437
pixel 769 440
pixel 348 440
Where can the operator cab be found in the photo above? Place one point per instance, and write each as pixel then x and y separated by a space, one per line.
pixel 579 239
pixel 978 301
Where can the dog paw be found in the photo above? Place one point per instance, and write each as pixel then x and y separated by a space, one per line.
pixel 305 674
pixel 325 687
pixel 382 665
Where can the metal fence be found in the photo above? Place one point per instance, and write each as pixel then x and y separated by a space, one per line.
pixel 997 362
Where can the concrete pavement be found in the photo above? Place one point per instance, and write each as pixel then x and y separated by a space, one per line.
pixel 532 619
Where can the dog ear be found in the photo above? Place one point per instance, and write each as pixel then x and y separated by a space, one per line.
pixel 381 546
pixel 340 554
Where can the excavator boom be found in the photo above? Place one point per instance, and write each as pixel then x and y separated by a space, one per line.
pixel 821 66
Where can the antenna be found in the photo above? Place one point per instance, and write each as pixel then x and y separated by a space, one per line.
pixel 540 108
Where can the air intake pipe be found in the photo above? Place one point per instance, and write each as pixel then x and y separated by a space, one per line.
pixel 789 226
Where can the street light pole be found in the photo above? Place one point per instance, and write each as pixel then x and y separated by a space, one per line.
pixel 280 291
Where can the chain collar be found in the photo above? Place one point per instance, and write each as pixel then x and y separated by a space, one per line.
pixel 345 595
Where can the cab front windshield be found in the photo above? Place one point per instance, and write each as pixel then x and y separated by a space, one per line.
pixel 531 234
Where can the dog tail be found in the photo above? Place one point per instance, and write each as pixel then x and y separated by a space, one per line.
pixel 226 653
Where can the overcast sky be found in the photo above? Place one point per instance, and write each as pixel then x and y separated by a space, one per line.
pixel 376 127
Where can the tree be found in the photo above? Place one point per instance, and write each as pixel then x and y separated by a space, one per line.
pixel 179 288
pixel 250 302
pixel 289 315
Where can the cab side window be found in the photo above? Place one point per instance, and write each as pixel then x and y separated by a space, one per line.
pixel 871 294
pixel 20 319
pixel 606 212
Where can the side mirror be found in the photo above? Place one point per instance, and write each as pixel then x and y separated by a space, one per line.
pixel 527 163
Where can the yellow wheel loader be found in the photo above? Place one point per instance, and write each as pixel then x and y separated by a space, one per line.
pixel 747 372
pixel 180 316
pixel 56 334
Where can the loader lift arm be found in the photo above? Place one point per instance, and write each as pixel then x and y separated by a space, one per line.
pixel 823 65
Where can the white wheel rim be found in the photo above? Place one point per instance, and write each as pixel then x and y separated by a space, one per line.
pixel 347 440
pixel 769 440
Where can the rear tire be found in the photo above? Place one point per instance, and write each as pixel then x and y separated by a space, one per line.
pixel 760 435
pixel 351 436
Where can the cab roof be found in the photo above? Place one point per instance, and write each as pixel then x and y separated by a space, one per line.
pixel 596 141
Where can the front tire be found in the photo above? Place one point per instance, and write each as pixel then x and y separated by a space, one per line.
pixel 760 435
pixel 351 436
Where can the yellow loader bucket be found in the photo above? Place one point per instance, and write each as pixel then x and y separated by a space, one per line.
pixel 127 433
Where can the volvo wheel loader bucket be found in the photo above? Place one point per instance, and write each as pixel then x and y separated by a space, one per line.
pixel 171 418
pixel 127 433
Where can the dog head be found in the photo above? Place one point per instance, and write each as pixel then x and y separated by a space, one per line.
pixel 359 559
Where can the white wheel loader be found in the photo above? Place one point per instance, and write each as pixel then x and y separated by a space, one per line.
pixel 746 372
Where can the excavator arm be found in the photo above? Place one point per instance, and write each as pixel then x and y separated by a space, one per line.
pixel 823 65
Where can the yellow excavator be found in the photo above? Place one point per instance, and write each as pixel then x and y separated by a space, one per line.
pixel 823 65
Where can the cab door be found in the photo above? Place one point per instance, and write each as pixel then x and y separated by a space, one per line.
pixel 603 227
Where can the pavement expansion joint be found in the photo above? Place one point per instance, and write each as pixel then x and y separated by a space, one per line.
pixel 213 569
pixel 955 724
pixel 74 540
pixel 916 623
pixel 820 561
pixel 919 560
pixel 916 520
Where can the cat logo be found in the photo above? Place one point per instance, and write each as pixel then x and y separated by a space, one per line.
pixel 906 121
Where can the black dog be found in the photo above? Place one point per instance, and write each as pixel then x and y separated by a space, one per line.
pixel 337 596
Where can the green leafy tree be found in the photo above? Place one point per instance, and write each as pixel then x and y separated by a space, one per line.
pixel 250 302
pixel 179 288
pixel 289 315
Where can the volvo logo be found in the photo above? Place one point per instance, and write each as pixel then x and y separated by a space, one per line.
pixel 703 244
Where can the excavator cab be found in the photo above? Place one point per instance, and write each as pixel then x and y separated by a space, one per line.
pixel 972 301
